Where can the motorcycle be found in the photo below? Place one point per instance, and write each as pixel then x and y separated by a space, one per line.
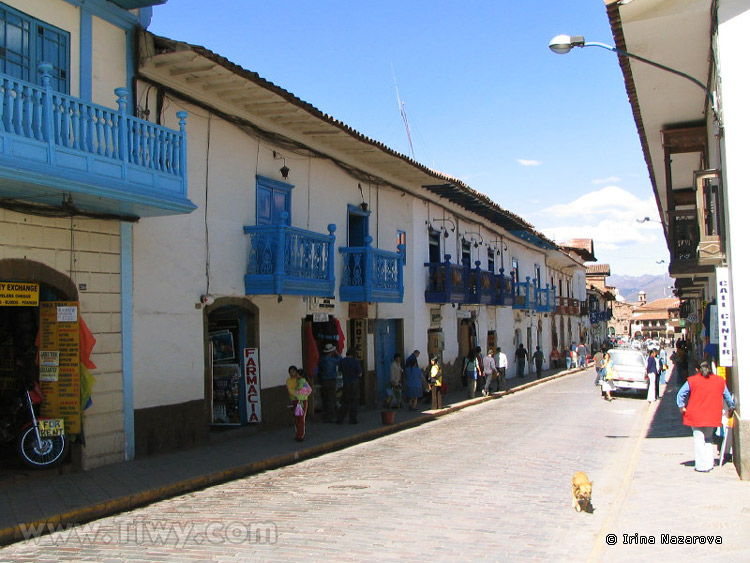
pixel 40 442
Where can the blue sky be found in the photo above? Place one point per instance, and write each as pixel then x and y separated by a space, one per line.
pixel 549 137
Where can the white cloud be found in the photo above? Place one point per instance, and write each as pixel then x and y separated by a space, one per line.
pixel 524 162
pixel 609 180
pixel 609 203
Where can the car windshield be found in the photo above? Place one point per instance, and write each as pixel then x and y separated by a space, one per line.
pixel 622 357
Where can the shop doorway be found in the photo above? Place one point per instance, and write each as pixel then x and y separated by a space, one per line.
pixel 387 343
pixel 232 336
pixel 19 363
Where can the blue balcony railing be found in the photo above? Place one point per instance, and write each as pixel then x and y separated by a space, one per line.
pixel 286 260
pixel 503 289
pixel 458 283
pixel 600 316
pixel 479 285
pixel 446 282
pixel 105 159
pixel 523 295
pixel 545 299
pixel 372 275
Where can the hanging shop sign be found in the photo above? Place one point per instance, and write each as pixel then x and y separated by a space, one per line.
pixel 320 304
pixel 14 294
pixel 724 306
pixel 359 310
pixel 59 357
pixel 252 384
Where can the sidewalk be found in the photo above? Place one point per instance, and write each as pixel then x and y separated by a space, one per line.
pixel 662 498
pixel 58 498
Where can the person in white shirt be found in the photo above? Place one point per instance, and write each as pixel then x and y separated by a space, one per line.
pixel 501 364
pixel 490 371
pixel 395 397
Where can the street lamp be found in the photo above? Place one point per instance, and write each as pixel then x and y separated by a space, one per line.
pixel 648 220
pixel 563 44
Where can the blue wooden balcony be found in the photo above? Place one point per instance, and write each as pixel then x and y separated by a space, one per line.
pixel 503 285
pixel 480 285
pixel 600 316
pixel 523 295
pixel 545 299
pixel 286 260
pixel 446 282
pixel 458 283
pixel 58 150
pixel 372 275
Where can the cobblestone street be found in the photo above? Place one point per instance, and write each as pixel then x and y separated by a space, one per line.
pixel 491 482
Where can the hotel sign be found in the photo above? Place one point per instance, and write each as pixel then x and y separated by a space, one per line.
pixel 724 307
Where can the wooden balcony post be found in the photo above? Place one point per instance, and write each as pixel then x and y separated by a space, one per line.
pixel 278 267
pixel 45 69
pixel 368 271
pixel 122 128
pixel 332 257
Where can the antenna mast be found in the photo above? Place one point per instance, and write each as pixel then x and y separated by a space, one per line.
pixel 402 111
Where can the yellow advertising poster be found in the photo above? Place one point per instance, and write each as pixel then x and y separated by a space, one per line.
pixel 15 294
pixel 59 353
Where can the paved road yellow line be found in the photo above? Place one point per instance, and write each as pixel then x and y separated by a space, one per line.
pixel 622 491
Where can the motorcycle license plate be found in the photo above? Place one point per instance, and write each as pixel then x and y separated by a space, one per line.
pixel 51 427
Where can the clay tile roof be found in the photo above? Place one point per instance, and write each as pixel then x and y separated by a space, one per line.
pixel 598 270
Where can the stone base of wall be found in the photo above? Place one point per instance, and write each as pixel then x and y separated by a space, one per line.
pixel 741 448
pixel 170 427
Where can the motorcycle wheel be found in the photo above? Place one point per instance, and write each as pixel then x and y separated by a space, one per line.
pixel 52 452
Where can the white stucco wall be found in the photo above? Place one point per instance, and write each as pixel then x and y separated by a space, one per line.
pixel 108 62
pixel 734 23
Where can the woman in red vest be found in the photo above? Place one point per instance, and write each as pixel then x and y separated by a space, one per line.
pixel 700 401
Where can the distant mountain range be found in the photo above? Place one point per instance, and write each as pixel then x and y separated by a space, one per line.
pixel 656 287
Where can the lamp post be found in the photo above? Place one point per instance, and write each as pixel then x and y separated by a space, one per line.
pixel 563 44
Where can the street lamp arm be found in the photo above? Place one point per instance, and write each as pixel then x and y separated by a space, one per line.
pixel 563 44
pixel 652 63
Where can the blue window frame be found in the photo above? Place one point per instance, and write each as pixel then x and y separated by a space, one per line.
pixel 25 42
pixel 271 199
pixel 358 226
pixel 490 260
pixel 401 240
pixel 514 269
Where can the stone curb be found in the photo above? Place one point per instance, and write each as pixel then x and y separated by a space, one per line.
pixel 121 504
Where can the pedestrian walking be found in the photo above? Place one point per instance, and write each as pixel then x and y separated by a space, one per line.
pixel 395 395
pixel 471 372
pixel 299 390
pixel 582 354
pixel 490 371
pixel 652 372
pixel 554 357
pixel 480 373
pixel 436 383
pixel 664 364
pixel 351 373
pixel 414 380
pixel 700 401
pixel 328 376
pixel 606 380
pixel 521 356
pixel 538 358
pixel 501 363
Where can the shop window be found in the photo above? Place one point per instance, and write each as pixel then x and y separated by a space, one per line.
pixel 271 199
pixel 25 42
